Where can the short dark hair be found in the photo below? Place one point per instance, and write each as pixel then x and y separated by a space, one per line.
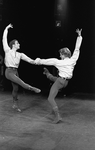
pixel 65 51
pixel 12 43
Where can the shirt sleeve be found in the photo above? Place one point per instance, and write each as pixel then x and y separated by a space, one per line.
pixel 6 47
pixel 76 52
pixel 50 61
pixel 26 58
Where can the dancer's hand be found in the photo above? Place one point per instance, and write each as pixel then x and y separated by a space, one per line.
pixel 37 60
pixel 9 26
pixel 79 31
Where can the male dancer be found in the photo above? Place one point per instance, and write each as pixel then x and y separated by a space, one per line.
pixel 65 68
pixel 12 60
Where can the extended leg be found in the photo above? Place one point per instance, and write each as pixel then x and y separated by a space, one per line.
pixel 14 78
pixel 49 75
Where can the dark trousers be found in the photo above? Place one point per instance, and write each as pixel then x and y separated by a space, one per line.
pixel 58 84
pixel 12 75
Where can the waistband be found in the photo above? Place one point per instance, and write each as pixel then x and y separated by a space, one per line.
pixel 64 78
pixel 11 68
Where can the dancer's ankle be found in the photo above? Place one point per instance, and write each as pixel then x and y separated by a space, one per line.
pixel 55 108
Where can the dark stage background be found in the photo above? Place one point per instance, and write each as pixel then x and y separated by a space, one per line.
pixel 35 28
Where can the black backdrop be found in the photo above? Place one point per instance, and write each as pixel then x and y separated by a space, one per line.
pixel 34 27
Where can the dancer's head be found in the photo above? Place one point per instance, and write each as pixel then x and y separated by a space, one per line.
pixel 14 44
pixel 64 52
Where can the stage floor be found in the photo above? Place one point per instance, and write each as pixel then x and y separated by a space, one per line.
pixel 32 129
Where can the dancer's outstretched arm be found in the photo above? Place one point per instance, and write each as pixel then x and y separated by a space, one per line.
pixel 4 40
pixel 49 61
pixel 77 46
pixel 27 59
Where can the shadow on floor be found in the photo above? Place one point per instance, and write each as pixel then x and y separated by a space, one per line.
pixel 32 130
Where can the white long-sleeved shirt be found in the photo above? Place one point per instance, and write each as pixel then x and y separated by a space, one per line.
pixel 12 58
pixel 66 66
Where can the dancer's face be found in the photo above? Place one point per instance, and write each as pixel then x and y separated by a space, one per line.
pixel 16 45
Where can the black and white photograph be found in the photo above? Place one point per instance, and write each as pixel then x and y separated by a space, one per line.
pixel 47 75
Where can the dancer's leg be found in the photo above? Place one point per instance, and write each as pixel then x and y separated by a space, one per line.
pixel 11 75
pixel 49 75
pixel 15 97
pixel 58 84
pixel 15 91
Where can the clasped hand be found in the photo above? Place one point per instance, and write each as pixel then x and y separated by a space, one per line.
pixel 37 60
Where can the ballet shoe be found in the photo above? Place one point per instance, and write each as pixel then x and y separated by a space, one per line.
pixel 35 89
pixel 57 120
pixel 16 107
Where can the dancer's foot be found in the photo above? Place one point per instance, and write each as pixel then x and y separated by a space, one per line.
pixel 57 119
pixel 45 71
pixel 15 106
pixel 35 89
